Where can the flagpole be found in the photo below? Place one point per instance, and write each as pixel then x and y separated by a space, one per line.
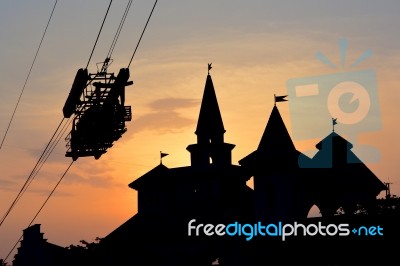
pixel 274 100
pixel 162 155
pixel 333 124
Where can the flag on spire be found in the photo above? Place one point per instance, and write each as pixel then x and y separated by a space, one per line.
pixel 280 98
pixel 162 155
pixel 334 122
pixel 209 68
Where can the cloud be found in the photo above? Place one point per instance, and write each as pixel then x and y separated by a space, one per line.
pixel 83 173
pixel 94 180
pixel 7 185
pixel 164 116
pixel 45 192
pixel 94 173
pixel 171 104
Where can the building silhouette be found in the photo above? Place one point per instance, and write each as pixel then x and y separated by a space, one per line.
pixel 287 183
pixel 35 250
pixel 213 190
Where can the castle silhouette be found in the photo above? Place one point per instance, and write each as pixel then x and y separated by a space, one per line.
pixel 213 190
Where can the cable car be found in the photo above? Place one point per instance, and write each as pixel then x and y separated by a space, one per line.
pixel 98 102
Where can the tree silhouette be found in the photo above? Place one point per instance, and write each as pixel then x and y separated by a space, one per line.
pixel 389 205
pixel 84 254
pixel 3 263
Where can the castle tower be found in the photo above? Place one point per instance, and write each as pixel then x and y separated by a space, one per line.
pixel 274 166
pixel 211 187
pixel 348 181
pixel 210 148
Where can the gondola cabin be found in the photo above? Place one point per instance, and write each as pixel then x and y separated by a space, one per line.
pixel 98 103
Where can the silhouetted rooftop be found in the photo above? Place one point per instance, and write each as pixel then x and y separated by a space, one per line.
pixel 162 175
pixel 152 176
pixel 276 138
pixel 210 120
pixel 337 138
pixel 276 147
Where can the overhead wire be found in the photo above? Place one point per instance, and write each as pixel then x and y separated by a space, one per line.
pixel 51 148
pixel 50 145
pixel 61 132
pixel 114 42
pixel 144 29
pixel 27 78
pixel 31 175
pixel 41 208
pixel 98 35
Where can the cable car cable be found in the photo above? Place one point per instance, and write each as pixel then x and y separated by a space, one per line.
pixel 41 208
pixel 31 175
pixel 50 150
pixel 52 144
pixel 114 42
pixel 98 35
pixel 27 78
pixel 46 153
pixel 137 45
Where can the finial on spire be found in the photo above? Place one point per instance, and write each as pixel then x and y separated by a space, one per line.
pixel 162 154
pixel 279 99
pixel 209 68
pixel 333 124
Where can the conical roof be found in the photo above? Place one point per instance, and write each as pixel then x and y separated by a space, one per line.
pixel 276 138
pixel 333 136
pixel 210 120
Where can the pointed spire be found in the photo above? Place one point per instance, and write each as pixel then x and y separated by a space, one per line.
pixel 210 148
pixel 209 124
pixel 276 138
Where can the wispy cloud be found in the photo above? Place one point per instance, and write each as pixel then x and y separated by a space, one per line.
pixel 7 185
pixel 166 115
pixel 94 180
pixel 171 104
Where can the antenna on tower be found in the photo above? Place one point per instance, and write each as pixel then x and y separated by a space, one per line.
pixel 387 184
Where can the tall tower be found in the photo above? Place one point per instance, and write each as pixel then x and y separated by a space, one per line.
pixel 210 148
pixel 274 166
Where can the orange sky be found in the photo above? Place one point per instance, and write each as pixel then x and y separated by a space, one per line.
pixel 254 49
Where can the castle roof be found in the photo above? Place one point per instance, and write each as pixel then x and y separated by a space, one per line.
pixel 210 120
pixel 154 176
pixel 276 146
pixel 276 137
pixel 162 176
pixel 330 137
pixel 335 158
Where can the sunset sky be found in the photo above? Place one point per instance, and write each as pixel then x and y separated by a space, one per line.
pixel 255 47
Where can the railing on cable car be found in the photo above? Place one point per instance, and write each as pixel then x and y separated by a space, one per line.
pixel 98 103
